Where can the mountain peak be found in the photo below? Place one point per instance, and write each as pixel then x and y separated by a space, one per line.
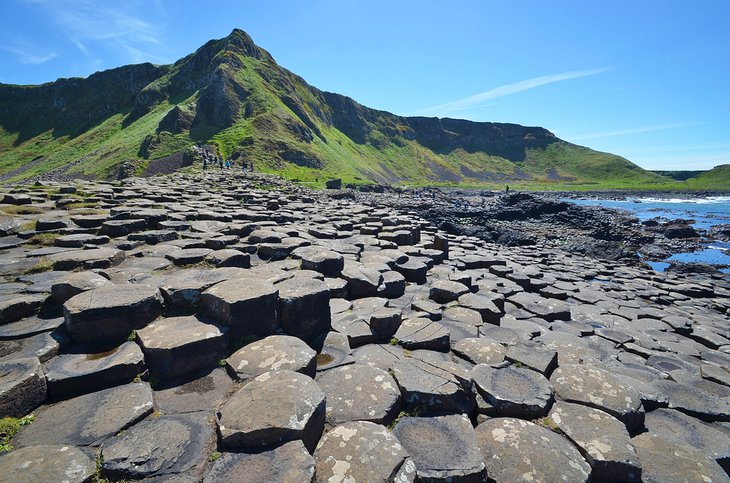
pixel 242 42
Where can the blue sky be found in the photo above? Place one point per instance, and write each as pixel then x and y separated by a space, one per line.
pixel 644 79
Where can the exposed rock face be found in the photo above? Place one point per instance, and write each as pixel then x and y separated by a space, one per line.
pixel 508 340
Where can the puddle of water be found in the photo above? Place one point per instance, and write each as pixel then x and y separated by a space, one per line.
pixel 324 359
pixel 100 355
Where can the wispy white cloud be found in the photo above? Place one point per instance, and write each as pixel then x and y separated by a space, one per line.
pixel 624 132
pixel 479 100
pixel 28 54
pixel 116 25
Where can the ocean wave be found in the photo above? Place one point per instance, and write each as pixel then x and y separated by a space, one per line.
pixel 698 201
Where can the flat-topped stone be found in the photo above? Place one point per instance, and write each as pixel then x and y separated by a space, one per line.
pixel 513 391
pixel 22 386
pixel 518 450
pixel 48 463
pixel 322 260
pixel 247 306
pixel 73 374
pixel 598 388
pixel 88 419
pixel 359 451
pixel 479 350
pixel 358 392
pixel 111 312
pixel 289 463
pixel 421 333
pixel 304 307
pixel 273 353
pixel 274 408
pixel 433 387
pixel 443 448
pixel 602 439
pixel 169 444
pixel 179 346
pixel 75 283
pixel 29 326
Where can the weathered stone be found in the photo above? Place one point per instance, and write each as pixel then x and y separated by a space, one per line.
pixel 229 258
pixel 517 450
pixel 179 346
pixel 392 286
pixel 484 305
pixel 362 281
pixel 44 346
pixel 422 333
pixel 199 394
pixel 274 408
pixel 289 463
pixel 183 288
pixel 534 356
pixel 111 312
pixel 247 306
pixel 694 401
pixel 273 353
pixel 599 389
pixel 335 352
pixel 119 228
pixel 73 374
pixel 359 451
pixel 22 387
pixel 78 240
pixel 43 463
pixel 443 448
pixel 548 309
pixel 158 446
pixel 28 327
pixel 321 260
pixel 602 439
pixel 668 423
pixel 667 459
pixel 359 392
pixel 75 283
pixel 304 308
pixel 88 419
pixel 445 291
pixel 188 256
pixel 16 308
pixel 433 388
pixel 478 350
pixel 514 391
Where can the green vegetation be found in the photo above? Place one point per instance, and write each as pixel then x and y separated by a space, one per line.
pixel 547 423
pixel 9 427
pixel 45 239
pixel 232 95
pixel 22 210
pixel 42 265
pixel 214 456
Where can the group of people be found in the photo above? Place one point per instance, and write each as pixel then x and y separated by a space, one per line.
pixel 227 164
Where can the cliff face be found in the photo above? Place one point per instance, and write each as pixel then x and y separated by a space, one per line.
pixel 232 94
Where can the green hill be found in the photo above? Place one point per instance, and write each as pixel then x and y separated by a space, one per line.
pixel 718 178
pixel 232 94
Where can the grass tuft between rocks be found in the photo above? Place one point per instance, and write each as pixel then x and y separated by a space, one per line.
pixel 547 423
pixel 9 427
pixel 43 265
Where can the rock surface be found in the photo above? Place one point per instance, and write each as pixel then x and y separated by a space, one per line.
pixel 48 463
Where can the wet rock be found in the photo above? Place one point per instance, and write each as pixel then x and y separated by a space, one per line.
pixel 551 457
pixel 22 387
pixel 304 307
pixel 247 306
pixel 602 439
pixel 48 463
pixel 179 346
pixel 111 312
pixel 158 446
pixel 359 451
pixel 514 391
pixel 274 408
pixel 273 353
pixel 443 448
pixel 685 464
pixel 599 389
pixel 88 419
pixel 289 463
pixel 359 392
pixel 73 374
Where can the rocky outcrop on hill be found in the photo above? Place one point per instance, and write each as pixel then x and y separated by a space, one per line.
pixel 225 326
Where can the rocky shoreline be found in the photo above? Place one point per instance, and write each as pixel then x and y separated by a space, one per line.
pixel 235 327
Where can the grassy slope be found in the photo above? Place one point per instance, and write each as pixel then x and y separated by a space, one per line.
pixel 381 159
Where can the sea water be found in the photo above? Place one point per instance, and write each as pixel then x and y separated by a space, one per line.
pixel 705 211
